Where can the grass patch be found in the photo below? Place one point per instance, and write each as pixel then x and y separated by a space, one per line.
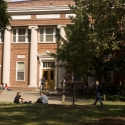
pixel 66 114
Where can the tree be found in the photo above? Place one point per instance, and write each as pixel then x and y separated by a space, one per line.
pixel 4 15
pixel 108 18
pixel 95 35
pixel 93 38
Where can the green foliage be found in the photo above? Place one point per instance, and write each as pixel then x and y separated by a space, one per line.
pixel 95 34
pixel 4 15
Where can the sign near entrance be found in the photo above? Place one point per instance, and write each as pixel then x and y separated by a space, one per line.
pixel 20 56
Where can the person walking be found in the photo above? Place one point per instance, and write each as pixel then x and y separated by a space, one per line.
pixel 63 84
pixel 98 91
pixel 43 85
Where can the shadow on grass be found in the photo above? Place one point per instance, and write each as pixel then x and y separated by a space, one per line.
pixel 38 114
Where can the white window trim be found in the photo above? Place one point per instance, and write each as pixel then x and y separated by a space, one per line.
pixel 44 35
pixel 16 70
pixel 109 81
pixel 26 35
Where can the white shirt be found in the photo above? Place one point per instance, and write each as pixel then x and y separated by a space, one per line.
pixel 44 99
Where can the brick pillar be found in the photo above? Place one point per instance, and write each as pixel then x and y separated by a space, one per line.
pixel 6 56
pixel 33 57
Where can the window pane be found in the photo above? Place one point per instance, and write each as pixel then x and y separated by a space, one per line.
pixel 49 30
pixel 14 31
pixel 29 38
pixel 21 66
pixel 78 78
pixel 21 31
pixel 29 32
pixel 21 38
pixel 21 35
pixel 29 35
pixel 41 31
pixel 49 38
pixel 20 75
pixel 41 37
pixel 41 34
pixel 14 38
pixel 57 31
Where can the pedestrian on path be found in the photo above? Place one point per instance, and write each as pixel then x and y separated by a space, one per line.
pixel 43 84
pixel 98 91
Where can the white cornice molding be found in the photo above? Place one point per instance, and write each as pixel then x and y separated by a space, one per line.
pixel 41 9
pixel 35 27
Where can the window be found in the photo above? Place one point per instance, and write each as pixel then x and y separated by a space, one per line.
pixel 107 77
pixel 21 35
pixel 48 64
pixel 48 34
pixel 2 36
pixel 20 75
pixel 78 78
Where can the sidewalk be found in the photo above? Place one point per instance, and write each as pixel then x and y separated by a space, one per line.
pixel 33 95
pixel 8 96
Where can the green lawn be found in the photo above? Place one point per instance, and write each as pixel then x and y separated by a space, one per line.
pixel 112 113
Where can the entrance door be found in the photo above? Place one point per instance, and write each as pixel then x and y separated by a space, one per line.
pixel 49 76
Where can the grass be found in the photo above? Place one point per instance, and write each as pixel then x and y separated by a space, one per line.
pixel 82 113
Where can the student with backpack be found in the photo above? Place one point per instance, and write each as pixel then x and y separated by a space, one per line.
pixel 43 84
pixel 98 92
pixel 63 84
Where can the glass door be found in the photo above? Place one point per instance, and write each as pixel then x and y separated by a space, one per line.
pixel 49 77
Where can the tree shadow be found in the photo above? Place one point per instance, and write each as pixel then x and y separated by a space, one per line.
pixel 53 114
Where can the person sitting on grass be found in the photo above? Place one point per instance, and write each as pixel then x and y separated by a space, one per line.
pixel 18 99
pixel 42 99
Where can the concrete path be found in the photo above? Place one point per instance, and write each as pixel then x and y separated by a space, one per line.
pixel 8 96
pixel 33 95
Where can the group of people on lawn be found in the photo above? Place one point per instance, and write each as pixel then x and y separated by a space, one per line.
pixel 19 99
pixel 66 86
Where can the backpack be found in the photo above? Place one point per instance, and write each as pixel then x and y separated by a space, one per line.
pixel 62 81
pixel 43 81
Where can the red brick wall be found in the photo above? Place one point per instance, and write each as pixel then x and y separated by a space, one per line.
pixel 44 47
pixel 19 49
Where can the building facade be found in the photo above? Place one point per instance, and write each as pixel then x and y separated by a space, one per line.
pixel 25 44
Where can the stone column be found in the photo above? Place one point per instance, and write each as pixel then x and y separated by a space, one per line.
pixel 61 71
pixel 62 32
pixel 33 57
pixel 6 56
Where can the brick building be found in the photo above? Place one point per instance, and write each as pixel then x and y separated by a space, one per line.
pixel 25 44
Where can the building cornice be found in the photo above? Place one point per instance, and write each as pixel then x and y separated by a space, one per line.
pixel 39 10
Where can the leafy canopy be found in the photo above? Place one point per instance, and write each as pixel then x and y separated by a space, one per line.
pixel 93 36
pixel 4 15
